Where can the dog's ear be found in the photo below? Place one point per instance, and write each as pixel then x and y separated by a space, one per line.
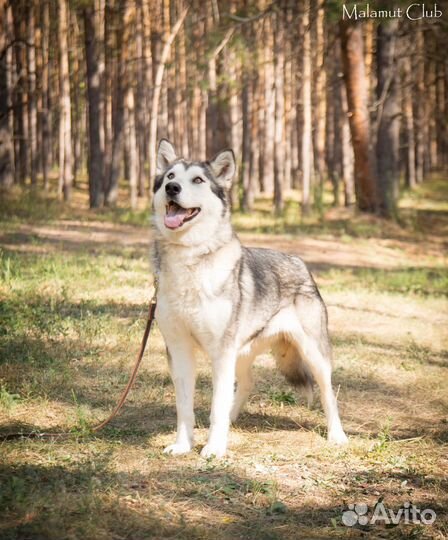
pixel 224 167
pixel 165 155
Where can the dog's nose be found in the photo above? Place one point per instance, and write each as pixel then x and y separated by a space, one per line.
pixel 172 189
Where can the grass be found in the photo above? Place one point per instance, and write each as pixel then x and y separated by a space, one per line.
pixel 74 287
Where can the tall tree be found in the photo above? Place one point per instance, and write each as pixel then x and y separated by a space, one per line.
pixel 32 97
pixel 321 104
pixel 357 99
pixel 279 143
pixel 115 154
pixel 6 147
pixel 419 103
pixel 407 87
pixel 65 129
pixel 388 137
pixel 95 154
pixel 45 127
pixel 307 151
pixel 133 160
pixel 19 96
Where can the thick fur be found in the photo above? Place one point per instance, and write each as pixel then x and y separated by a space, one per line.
pixel 231 301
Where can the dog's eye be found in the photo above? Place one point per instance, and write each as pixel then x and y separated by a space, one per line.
pixel 171 176
pixel 198 180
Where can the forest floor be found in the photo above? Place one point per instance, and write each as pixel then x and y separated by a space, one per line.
pixel 74 287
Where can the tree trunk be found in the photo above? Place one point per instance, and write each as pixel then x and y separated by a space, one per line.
pixel 6 147
pixel 45 135
pixel 77 78
pixel 129 99
pixel 116 151
pixel 321 105
pixel 279 144
pixel 146 21
pixel 65 137
pixel 246 179
pixel 20 143
pixel 95 154
pixel 348 158
pixel 411 180
pixel 420 98
pixel 307 150
pixel 388 138
pixel 357 99
pixel 140 106
pixel 32 106
pixel 269 127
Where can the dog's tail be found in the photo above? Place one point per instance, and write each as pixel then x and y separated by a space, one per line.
pixel 289 362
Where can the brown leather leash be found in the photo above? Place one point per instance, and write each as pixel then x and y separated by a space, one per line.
pixel 124 395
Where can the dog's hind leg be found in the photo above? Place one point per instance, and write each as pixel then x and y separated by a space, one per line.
pixel 182 367
pixel 320 368
pixel 312 341
pixel 244 381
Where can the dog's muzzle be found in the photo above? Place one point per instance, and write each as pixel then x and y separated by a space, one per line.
pixel 176 215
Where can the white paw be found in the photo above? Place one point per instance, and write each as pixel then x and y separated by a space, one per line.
pixel 216 450
pixel 337 437
pixel 177 448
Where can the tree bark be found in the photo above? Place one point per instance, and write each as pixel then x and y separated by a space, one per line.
pixel 246 179
pixel 45 135
pixel 32 105
pixel 279 153
pixel 140 106
pixel 20 114
pixel 132 154
pixel 388 138
pixel 117 139
pixel 411 180
pixel 269 127
pixel 357 99
pixel 321 105
pixel 307 150
pixel 95 154
pixel 65 136
pixel 419 105
pixel 6 146
pixel 348 158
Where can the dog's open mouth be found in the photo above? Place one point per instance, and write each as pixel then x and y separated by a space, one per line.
pixel 176 216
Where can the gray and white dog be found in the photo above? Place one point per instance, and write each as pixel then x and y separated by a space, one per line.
pixel 231 301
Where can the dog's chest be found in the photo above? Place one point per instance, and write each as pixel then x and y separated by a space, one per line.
pixel 192 296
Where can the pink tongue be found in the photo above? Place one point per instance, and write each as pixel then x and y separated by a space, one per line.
pixel 175 218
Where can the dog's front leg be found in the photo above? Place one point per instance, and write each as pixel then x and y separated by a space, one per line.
pixel 223 370
pixel 182 368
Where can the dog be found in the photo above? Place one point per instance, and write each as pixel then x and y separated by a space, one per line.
pixel 231 301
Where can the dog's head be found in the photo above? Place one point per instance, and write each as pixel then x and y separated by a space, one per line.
pixel 191 197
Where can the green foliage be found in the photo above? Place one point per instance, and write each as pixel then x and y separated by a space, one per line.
pixel 83 426
pixel 282 397
pixel 8 399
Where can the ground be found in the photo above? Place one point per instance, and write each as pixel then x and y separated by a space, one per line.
pixel 74 287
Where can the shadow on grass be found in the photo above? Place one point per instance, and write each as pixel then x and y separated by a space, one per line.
pixel 94 501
